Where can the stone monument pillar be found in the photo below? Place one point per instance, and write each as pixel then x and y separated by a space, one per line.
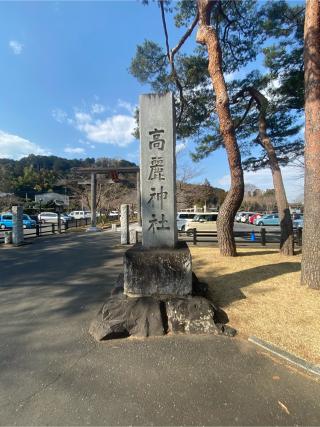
pixel 156 293
pixel 124 221
pixel 159 266
pixel 17 225
pixel 158 171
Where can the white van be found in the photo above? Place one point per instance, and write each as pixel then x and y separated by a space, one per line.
pixel 183 218
pixel 80 214
pixel 203 222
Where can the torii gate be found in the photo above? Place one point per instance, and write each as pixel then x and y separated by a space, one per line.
pixel 113 172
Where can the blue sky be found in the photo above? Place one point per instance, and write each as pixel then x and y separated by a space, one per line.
pixel 65 87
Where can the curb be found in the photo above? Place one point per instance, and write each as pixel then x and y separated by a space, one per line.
pixel 314 369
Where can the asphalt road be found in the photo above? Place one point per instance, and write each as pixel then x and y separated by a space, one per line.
pixel 238 226
pixel 53 373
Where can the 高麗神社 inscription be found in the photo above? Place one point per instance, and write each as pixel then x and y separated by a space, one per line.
pixel 157 171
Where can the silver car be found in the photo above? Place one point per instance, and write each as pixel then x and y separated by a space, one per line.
pixel 52 218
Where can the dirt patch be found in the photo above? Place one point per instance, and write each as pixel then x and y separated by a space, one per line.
pixel 261 293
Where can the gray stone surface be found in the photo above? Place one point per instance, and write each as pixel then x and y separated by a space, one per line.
pixel 158 271
pixel 121 316
pixel 133 236
pixel 124 221
pixel 158 169
pixel 193 315
pixel 17 225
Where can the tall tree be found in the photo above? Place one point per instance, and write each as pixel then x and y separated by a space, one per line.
pixel 230 27
pixel 286 238
pixel 207 36
pixel 311 234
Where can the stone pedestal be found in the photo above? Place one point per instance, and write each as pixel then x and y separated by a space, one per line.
pixel 123 316
pixel 158 272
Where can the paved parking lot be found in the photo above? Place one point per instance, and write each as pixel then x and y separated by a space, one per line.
pixel 53 373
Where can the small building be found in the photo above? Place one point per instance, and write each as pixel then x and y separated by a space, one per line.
pixel 54 197
pixel 5 194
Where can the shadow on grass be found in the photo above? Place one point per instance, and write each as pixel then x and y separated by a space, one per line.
pixel 261 252
pixel 225 289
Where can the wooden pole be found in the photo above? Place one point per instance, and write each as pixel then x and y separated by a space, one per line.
pixel 263 236
pixel 93 200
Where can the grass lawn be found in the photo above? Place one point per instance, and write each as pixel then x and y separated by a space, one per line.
pixel 261 293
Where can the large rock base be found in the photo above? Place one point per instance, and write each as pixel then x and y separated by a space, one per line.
pixel 123 316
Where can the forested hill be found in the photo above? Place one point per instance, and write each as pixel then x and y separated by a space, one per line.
pixel 34 174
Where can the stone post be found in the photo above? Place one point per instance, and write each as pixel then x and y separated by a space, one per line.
pixel 157 171
pixel 93 200
pixel 133 236
pixel 17 225
pixel 124 221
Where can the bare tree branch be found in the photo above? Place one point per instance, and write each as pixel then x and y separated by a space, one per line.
pixel 171 54
pixel 186 35
pixel 165 30
pixel 245 114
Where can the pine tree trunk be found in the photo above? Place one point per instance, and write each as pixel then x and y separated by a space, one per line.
pixel 311 232
pixel 206 35
pixel 286 237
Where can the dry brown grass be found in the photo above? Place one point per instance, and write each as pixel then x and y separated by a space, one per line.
pixel 261 293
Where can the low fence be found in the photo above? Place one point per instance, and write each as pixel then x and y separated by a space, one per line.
pixel 46 228
pixel 261 237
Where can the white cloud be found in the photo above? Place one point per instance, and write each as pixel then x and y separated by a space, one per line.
pixel 74 150
pixel 180 147
pixel 97 108
pixel 115 130
pixel 15 147
pixel 59 115
pixel 126 106
pixel 81 117
pixel 292 177
pixel 16 47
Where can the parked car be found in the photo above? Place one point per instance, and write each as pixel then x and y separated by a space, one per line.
pixel 298 223
pixel 203 222
pixel 295 216
pixel 254 218
pixel 52 217
pixel 80 214
pixel 183 218
pixel 245 216
pixel 242 216
pixel 271 219
pixel 34 218
pixel 114 214
pixel 238 216
pixel 6 221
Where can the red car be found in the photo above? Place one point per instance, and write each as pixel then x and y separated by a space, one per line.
pixel 252 218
